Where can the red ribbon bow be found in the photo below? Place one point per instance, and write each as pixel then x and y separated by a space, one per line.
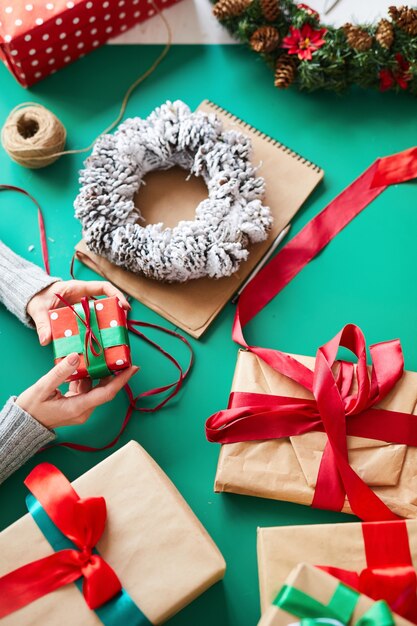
pixel 90 340
pixel 390 574
pixel 283 417
pixel 338 409
pixel 82 520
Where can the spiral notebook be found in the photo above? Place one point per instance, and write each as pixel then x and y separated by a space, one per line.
pixel 169 197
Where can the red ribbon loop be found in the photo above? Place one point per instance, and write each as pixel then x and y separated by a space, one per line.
pixel 396 584
pixel 82 520
pixel 336 401
pixel 344 397
pixel 90 341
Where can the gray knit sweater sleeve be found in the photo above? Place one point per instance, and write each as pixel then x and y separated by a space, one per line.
pixel 21 435
pixel 20 280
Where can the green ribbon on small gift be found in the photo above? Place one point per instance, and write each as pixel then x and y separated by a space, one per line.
pixel 337 612
pixel 106 338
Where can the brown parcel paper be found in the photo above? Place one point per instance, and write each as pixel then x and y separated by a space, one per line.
pixel 280 549
pixel 320 586
pixel 192 306
pixel 286 469
pixel 158 548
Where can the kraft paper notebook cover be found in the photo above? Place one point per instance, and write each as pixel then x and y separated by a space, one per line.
pixel 192 306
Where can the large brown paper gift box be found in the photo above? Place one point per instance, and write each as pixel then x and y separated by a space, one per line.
pixel 287 469
pixel 281 548
pixel 161 553
pixel 321 587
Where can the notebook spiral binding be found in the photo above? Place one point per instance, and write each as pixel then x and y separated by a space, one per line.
pixel 268 138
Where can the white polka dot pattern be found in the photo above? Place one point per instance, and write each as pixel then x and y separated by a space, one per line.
pixel 68 332
pixel 113 323
pixel 120 362
pixel 66 26
pixel 54 315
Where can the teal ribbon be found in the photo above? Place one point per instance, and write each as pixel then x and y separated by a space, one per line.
pixel 338 611
pixel 120 610
pixel 108 337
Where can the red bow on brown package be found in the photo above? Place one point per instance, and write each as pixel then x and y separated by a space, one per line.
pixel 335 410
pixel 390 574
pixel 82 520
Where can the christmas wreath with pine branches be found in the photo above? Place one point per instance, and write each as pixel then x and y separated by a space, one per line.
pixel 302 50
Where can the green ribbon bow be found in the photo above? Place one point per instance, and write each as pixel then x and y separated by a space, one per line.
pixel 107 338
pixel 338 611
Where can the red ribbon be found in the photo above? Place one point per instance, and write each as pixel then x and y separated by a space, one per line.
pixel 42 231
pixel 173 387
pixel 390 574
pixel 82 520
pixel 334 402
pixel 90 340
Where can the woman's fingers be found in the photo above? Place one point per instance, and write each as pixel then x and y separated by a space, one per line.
pixel 74 290
pixel 104 392
pixel 48 384
pixel 40 316
pixel 77 387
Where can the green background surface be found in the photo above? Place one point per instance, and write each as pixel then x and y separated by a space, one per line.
pixel 366 276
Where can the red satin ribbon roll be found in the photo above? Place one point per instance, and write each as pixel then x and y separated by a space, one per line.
pixel 285 417
pixel 82 520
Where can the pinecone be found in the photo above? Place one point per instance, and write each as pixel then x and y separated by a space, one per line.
pixel 358 38
pixel 385 34
pixel 405 18
pixel 270 9
pixel 285 71
pixel 229 8
pixel 265 39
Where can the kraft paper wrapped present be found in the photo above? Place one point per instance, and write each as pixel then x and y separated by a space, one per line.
pixel 367 556
pixel 110 341
pixel 158 549
pixel 309 593
pixel 287 468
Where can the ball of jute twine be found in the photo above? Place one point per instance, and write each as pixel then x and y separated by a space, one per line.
pixel 33 136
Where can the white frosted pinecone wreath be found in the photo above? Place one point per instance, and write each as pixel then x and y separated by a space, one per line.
pixel 215 242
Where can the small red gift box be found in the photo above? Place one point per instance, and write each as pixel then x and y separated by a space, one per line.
pixel 97 331
pixel 38 37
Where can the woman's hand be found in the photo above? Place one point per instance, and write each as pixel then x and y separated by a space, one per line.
pixel 50 407
pixel 72 290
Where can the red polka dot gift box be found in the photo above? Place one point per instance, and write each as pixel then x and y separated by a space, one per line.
pixel 38 37
pixel 97 331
